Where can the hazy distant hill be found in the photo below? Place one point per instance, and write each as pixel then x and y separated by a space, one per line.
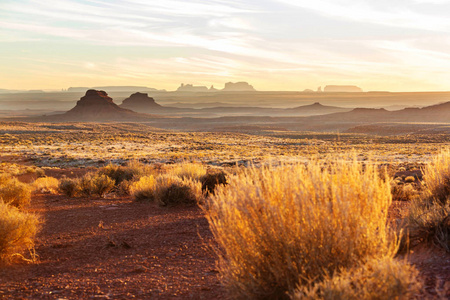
pixel 342 88
pixel 318 109
pixel 238 87
pixel 142 103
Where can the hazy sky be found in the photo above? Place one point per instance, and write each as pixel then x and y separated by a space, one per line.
pixel 397 45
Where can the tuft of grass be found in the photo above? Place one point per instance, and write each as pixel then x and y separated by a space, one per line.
pixel 402 192
pixel 143 189
pixel 95 184
pixel 188 170
pixel 428 218
pixel 17 232
pixel 212 179
pixel 46 185
pixel 69 187
pixel 276 226
pixel 384 278
pixel 133 170
pixel 14 192
pixel 167 190
pixel 436 177
pixel 172 190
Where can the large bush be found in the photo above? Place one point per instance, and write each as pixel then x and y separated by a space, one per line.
pixel 14 192
pixel 167 190
pixel 278 226
pixel 17 231
pixel 429 215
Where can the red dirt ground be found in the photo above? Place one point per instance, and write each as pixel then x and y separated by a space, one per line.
pixel 115 249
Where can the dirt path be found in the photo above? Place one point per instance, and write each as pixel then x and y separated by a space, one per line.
pixel 116 249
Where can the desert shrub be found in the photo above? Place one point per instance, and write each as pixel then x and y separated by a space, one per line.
pixel 276 226
pixel 172 190
pixel 17 231
pixel 188 170
pixel 124 188
pixel 402 192
pixel 40 172
pixel 410 179
pixel 429 222
pixel 69 187
pixel 384 278
pixel 14 192
pixel 95 184
pixel 46 185
pixel 211 179
pixel 428 219
pixel 167 190
pixel 121 173
pixel 143 189
pixel 436 177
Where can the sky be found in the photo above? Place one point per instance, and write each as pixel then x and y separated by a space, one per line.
pixel 284 45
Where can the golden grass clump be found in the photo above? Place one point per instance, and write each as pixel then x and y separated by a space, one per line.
pixel 212 179
pixel 143 189
pixel 69 187
pixel 384 278
pixel 14 192
pixel 188 170
pixel 172 190
pixel 428 219
pixel 167 190
pixel 132 171
pixel 46 185
pixel 276 226
pixel 95 184
pixel 17 232
pixel 436 177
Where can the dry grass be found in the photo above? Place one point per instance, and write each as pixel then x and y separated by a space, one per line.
pixel 188 170
pixel 429 215
pixel 384 278
pixel 143 189
pixel 46 185
pixel 69 187
pixel 172 190
pixel 437 177
pixel 278 226
pixel 212 179
pixel 14 192
pixel 95 184
pixel 167 190
pixel 17 232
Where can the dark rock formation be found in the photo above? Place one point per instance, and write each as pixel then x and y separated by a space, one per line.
pixel 342 88
pixel 140 102
pixel 98 106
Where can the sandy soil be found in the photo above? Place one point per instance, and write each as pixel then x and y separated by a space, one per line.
pixel 115 249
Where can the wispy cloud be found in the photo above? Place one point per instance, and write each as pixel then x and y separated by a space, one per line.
pixel 288 43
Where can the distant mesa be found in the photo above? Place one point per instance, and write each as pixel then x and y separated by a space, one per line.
pixel 342 88
pixel 115 89
pixel 229 87
pixel 140 102
pixel 238 87
pixel 98 106
pixel 192 88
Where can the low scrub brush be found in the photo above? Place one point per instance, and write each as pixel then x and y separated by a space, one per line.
pixel 17 232
pixel 276 226
pixel 14 192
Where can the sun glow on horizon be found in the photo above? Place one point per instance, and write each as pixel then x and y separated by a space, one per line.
pixel 273 44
